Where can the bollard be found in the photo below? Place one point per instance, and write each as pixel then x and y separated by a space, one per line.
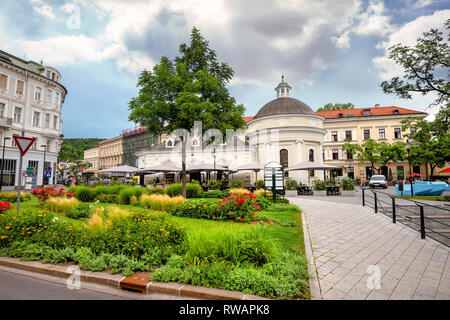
pixel 422 223
pixel 375 200
pixel 394 218
pixel 363 200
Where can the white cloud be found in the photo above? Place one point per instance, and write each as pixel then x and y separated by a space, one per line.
pixel 407 35
pixel 373 21
pixel 422 3
pixel 343 41
pixel 45 10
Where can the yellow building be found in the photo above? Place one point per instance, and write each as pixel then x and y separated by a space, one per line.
pixel 358 125
pixel 92 156
pixel 110 153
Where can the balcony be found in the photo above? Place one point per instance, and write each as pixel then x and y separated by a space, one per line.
pixel 5 122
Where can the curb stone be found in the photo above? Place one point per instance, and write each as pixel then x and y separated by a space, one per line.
pixel 114 280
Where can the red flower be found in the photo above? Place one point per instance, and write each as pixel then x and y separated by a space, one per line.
pixel 241 220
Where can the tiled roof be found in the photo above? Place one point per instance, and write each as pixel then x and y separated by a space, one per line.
pixel 359 112
pixel 247 119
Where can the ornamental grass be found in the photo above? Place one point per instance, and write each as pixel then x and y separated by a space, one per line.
pixel 61 205
pixel 259 192
pixel 161 202
pixel 239 191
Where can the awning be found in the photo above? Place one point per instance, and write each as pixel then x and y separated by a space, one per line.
pixel 311 166
pixel 165 166
pixel 206 167
pixel 119 170
pixel 254 166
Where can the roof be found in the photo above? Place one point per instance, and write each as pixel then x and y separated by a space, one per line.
pixel 359 112
pixel 284 105
pixel 247 119
pixel 28 65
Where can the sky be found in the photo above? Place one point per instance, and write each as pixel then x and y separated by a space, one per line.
pixel 329 51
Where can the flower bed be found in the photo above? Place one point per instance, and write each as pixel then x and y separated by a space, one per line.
pixel 44 193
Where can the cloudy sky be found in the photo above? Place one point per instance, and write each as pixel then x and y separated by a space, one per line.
pixel 329 51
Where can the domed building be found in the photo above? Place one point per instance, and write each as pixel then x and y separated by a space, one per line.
pixel 288 131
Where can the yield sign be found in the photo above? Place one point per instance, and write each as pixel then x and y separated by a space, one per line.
pixel 23 143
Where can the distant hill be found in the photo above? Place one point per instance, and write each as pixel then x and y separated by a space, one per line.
pixel 73 148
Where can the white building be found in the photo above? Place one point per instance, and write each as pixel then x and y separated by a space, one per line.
pixel 31 97
pixel 285 130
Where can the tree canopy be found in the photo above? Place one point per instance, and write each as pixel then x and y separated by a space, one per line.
pixel 336 106
pixel 73 149
pixel 426 67
pixel 192 87
pixel 379 154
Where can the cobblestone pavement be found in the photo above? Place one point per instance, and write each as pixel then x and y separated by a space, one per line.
pixel 348 240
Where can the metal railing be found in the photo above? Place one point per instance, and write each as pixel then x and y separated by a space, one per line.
pixel 429 219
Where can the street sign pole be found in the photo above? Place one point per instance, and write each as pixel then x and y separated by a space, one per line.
pixel 20 182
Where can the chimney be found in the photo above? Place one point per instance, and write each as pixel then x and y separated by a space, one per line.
pixel 377 105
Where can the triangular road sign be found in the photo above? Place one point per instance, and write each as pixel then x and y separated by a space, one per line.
pixel 23 143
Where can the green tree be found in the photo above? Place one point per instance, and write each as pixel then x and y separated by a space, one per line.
pixel 73 149
pixel 431 140
pixel 426 67
pixel 191 88
pixel 377 153
pixel 78 165
pixel 336 106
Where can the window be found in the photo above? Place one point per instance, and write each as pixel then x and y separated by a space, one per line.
pixel 9 172
pixel 349 155
pixel 366 134
pixel 3 81
pixel 2 110
pixel 334 136
pixel 48 74
pixel 366 112
pixel 311 155
pixel 38 94
pixel 36 118
pixel 284 158
pixel 57 98
pixel 340 115
pixel 335 154
pixel 382 134
pixel 49 96
pixel 17 115
pixel 19 87
pixel 47 120
pixel 397 133
pixel 55 122
pixel 396 112
pixel 348 135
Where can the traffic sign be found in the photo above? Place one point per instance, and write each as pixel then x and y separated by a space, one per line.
pixel 30 170
pixel 48 174
pixel 23 143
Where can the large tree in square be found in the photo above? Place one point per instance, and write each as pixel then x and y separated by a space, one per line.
pixel 192 87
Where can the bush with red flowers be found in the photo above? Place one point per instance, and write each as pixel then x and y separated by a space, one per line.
pixel 47 192
pixel 240 208
pixel 4 206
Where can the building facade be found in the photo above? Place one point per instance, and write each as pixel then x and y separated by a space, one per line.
pixel 134 140
pixel 382 124
pixel 110 153
pixel 31 98
pixel 92 156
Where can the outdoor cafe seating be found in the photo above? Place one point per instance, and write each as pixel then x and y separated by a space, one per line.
pixel 304 190
pixel 333 190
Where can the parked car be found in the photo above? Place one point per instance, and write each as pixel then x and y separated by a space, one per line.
pixel 378 181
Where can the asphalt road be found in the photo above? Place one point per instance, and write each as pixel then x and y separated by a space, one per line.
pixel 23 285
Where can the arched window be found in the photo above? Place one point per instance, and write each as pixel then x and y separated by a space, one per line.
pixel 311 155
pixel 169 144
pixel 284 158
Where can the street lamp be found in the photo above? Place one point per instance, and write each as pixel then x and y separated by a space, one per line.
pixel 3 161
pixel 408 149
pixel 43 166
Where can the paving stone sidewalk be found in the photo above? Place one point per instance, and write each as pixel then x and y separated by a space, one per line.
pixel 347 240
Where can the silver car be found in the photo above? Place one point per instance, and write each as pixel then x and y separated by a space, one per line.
pixel 378 181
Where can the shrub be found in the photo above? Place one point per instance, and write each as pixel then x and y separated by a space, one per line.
pixel 156 190
pixel 160 201
pixel 108 189
pixel 82 210
pixel 126 194
pixel 237 183
pixel 215 194
pixel 259 192
pixel 259 184
pixel 61 205
pixel 107 198
pixel 192 190
pixel 348 184
pixel 263 202
pixel 319 185
pixel 241 208
pixel 4 206
pixel 198 208
pixel 12 196
pixel 84 194
pixel 213 184
pixel 277 207
pixel 44 193
pixel 291 184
